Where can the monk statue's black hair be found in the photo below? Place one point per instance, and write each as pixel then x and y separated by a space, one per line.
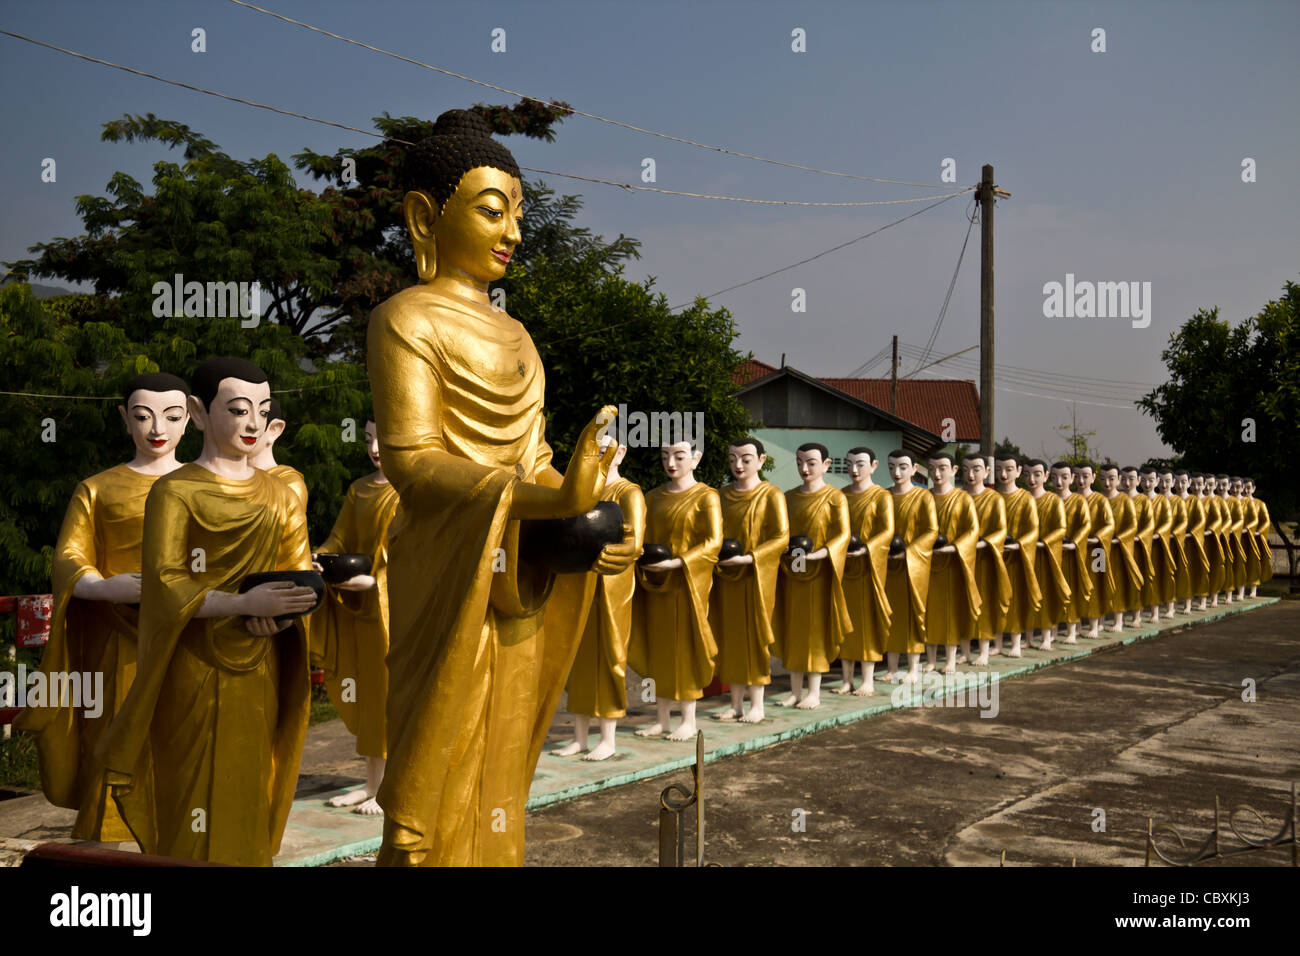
pixel 154 382
pixel 208 376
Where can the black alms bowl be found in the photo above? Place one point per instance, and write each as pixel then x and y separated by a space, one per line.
pixel 940 541
pixel 800 542
pixel 654 553
pixel 571 545
pixel 730 549
pixel 855 543
pixel 301 578
pixel 337 568
pixel 897 545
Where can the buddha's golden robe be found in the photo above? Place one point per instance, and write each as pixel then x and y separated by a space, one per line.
pixel 101 532
pixel 1243 521
pixel 1074 562
pixel 990 568
pixel 871 518
pixel 220 712
pixel 1263 525
pixel 811 618
pixel 1197 546
pixel 953 604
pixel 1159 588
pixel 907 582
pixel 744 596
pixel 477 658
pixel 672 642
pixel 597 683
pixel 1101 525
pixel 1218 520
pixel 353 625
pixel 1022 527
pixel 294 479
pixel 1178 546
pixel 1234 524
pixel 1144 548
pixel 1125 559
pixel 1048 566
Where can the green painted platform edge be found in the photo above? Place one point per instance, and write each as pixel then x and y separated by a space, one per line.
pixel 839 720
pixel 356 848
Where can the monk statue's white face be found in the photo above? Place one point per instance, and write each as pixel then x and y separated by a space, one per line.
pixel 372 443
pixel 744 461
pixel 678 460
pixel 237 418
pixel 155 420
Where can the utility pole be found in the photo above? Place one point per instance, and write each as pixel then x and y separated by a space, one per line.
pixel 986 194
pixel 893 380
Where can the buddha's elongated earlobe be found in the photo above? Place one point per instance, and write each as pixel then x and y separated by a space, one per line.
pixel 420 213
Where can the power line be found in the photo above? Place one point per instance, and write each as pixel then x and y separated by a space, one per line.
pixel 545 172
pixel 1047 379
pixel 943 311
pixel 601 119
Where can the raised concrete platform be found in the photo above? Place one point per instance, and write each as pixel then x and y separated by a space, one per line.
pixel 317 835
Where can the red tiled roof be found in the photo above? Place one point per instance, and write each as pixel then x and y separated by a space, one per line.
pixel 923 402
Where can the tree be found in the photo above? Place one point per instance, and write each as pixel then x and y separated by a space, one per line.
pixel 1232 402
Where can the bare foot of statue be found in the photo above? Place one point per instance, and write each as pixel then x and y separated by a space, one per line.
pixel 349 799
pixel 982 660
pixel 729 714
pixel 791 701
pixel 569 749
pixel 810 701
pixel 845 687
pixel 602 751
pixel 755 715
pixel 867 689
pixel 950 668
pixel 685 732
pixel 370 808
pixel 654 730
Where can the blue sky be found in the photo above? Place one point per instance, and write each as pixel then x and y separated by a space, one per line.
pixel 1123 165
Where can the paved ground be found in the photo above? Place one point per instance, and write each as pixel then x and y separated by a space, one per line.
pixel 1155 728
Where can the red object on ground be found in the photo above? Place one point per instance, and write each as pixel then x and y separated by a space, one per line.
pixel 34 613
pixel 716 688
pixel 81 855
pixel 317 675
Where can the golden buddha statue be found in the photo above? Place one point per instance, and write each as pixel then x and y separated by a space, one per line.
pixel 480 642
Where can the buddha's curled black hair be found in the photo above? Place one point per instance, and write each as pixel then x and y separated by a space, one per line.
pixel 460 141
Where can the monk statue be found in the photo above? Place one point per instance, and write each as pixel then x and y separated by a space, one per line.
pixel 672 642
pixel 953 605
pixel 203 756
pixel 990 569
pixel 1048 569
pixel 597 684
pixel 744 583
pixel 1144 541
pixel 263 458
pixel 96 584
pixel 1125 553
pixel 810 619
pixel 1260 528
pixel 480 641
pixel 1074 549
pixel 352 623
pixel 871 521
pixel 1020 551
pixel 907 582
pixel 1174 487
pixel 1097 561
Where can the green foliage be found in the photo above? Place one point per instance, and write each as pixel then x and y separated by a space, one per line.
pixel 1219 377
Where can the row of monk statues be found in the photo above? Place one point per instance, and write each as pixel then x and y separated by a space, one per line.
pixel 467 579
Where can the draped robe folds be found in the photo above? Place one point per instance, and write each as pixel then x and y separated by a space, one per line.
pixel 352 626
pixel 1074 563
pixel 219 712
pixel 811 618
pixel 953 602
pixel 1125 559
pixel 477 658
pixel 1234 523
pixel 1243 521
pixel 1178 547
pixel 1198 546
pixel 1049 567
pixel 907 583
pixel 744 596
pixel 597 684
pixel 1022 527
pixel 1217 521
pixel 1160 585
pixel 672 642
pixel 871 518
pixel 1101 525
pixel 101 533
pixel 293 478
pixel 1263 525
pixel 990 568
pixel 1144 548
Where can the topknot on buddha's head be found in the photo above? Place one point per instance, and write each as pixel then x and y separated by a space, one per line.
pixel 461 141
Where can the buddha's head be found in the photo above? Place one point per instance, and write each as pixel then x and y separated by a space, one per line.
pixel 1110 483
pixel 1197 485
pixel 745 457
pixel 901 468
pixel 1083 477
pixel 1035 475
pixel 230 399
pixel 1182 481
pixel 1248 487
pixel 1006 471
pixel 1062 478
pixel 1165 485
pixel 154 408
pixel 943 469
pixel 812 459
pixel 861 462
pixel 464 216
pixel 1129 480
pixel 1148 478
pixel 372 441
pixel 974 472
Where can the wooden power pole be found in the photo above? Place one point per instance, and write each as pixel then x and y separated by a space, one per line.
pixel 893 380
pixel 986 194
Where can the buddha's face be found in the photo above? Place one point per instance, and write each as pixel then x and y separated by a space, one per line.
pixel 235 421
pixel 155 420
pixel 1083 476
pixel 1197 484
pixel 901 470
pixel 942 472
pixel 744 461
pixel 973 473
pixel 1181 484
pixel 1006 470
pixel 1035 477
pixel 860 466
pixel 1062 478
pixel 1166 484
pixel 1236 487
pixel 810 464
pixel 1223 486
pixel 1147 482
pixel 478 228
pixel 1110 482
pixel 1129 482
pixel 678 460
pixel 1249 488
pixel 372 443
